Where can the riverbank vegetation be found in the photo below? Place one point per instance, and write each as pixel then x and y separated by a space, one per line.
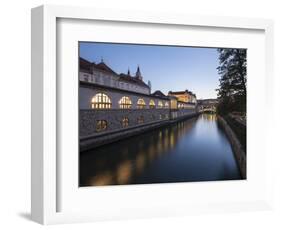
pixel 232 89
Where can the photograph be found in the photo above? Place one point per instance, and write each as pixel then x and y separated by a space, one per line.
pixel 146 112
pixel 156 113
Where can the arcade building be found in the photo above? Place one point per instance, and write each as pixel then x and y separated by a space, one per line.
pixel 113 105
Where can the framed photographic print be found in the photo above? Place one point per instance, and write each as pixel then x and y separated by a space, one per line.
pixel 137 114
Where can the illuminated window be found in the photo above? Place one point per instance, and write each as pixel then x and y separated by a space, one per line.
pixel 173 104
pixel 125 103
pixel 180 105
pixel 101 125
pixel 140 119
pixel 166 104
pixel 101 101
pixel 141 104
pixel 125 122
pixel 160 104
pixel 151 104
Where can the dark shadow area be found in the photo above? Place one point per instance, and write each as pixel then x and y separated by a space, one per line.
pixel 25 215
pixel 239 129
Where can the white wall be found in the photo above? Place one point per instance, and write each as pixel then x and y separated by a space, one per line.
pixel 15 113
pixel 111 81
pixel 86 94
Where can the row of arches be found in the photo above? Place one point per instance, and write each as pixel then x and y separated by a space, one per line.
pixel 103 101
pixel 103 125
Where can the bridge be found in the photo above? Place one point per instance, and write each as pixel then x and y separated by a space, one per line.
pixel 207 105
pixel 208 109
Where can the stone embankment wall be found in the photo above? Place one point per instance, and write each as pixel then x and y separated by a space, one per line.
pixel 237 148
pixel 114 117
pixel 151 119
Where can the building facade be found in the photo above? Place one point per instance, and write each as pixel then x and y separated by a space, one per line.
pixel 101 74
pixel 110 103
pixel 184 96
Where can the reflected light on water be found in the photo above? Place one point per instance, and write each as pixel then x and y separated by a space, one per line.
pixel 124 172
pixel 103 178
pixel 140 162
pixel 172 140
pixel 191 150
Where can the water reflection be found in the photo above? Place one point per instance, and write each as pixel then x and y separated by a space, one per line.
pixel 191 150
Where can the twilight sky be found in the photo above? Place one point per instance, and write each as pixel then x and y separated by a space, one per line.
pixel 167 67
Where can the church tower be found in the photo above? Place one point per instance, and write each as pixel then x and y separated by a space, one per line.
pixel 138 74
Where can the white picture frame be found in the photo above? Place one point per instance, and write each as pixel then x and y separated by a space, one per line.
pixel 46 182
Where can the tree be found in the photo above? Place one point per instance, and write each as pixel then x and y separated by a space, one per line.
pixel 233 80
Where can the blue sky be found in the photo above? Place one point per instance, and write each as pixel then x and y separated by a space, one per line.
pixel 167 67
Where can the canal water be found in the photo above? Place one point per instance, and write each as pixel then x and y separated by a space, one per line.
pixel 196 149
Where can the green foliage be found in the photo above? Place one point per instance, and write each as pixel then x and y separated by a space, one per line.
pixel 233 80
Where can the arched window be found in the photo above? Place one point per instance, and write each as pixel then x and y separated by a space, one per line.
pixel 101 101
pixel 166 104
pixel 140 119
pixel 101 125
pixel 125 122
pixel 125 103
pixel 180 106
pixel 141 104
pixel 160 104
pixel 151 104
